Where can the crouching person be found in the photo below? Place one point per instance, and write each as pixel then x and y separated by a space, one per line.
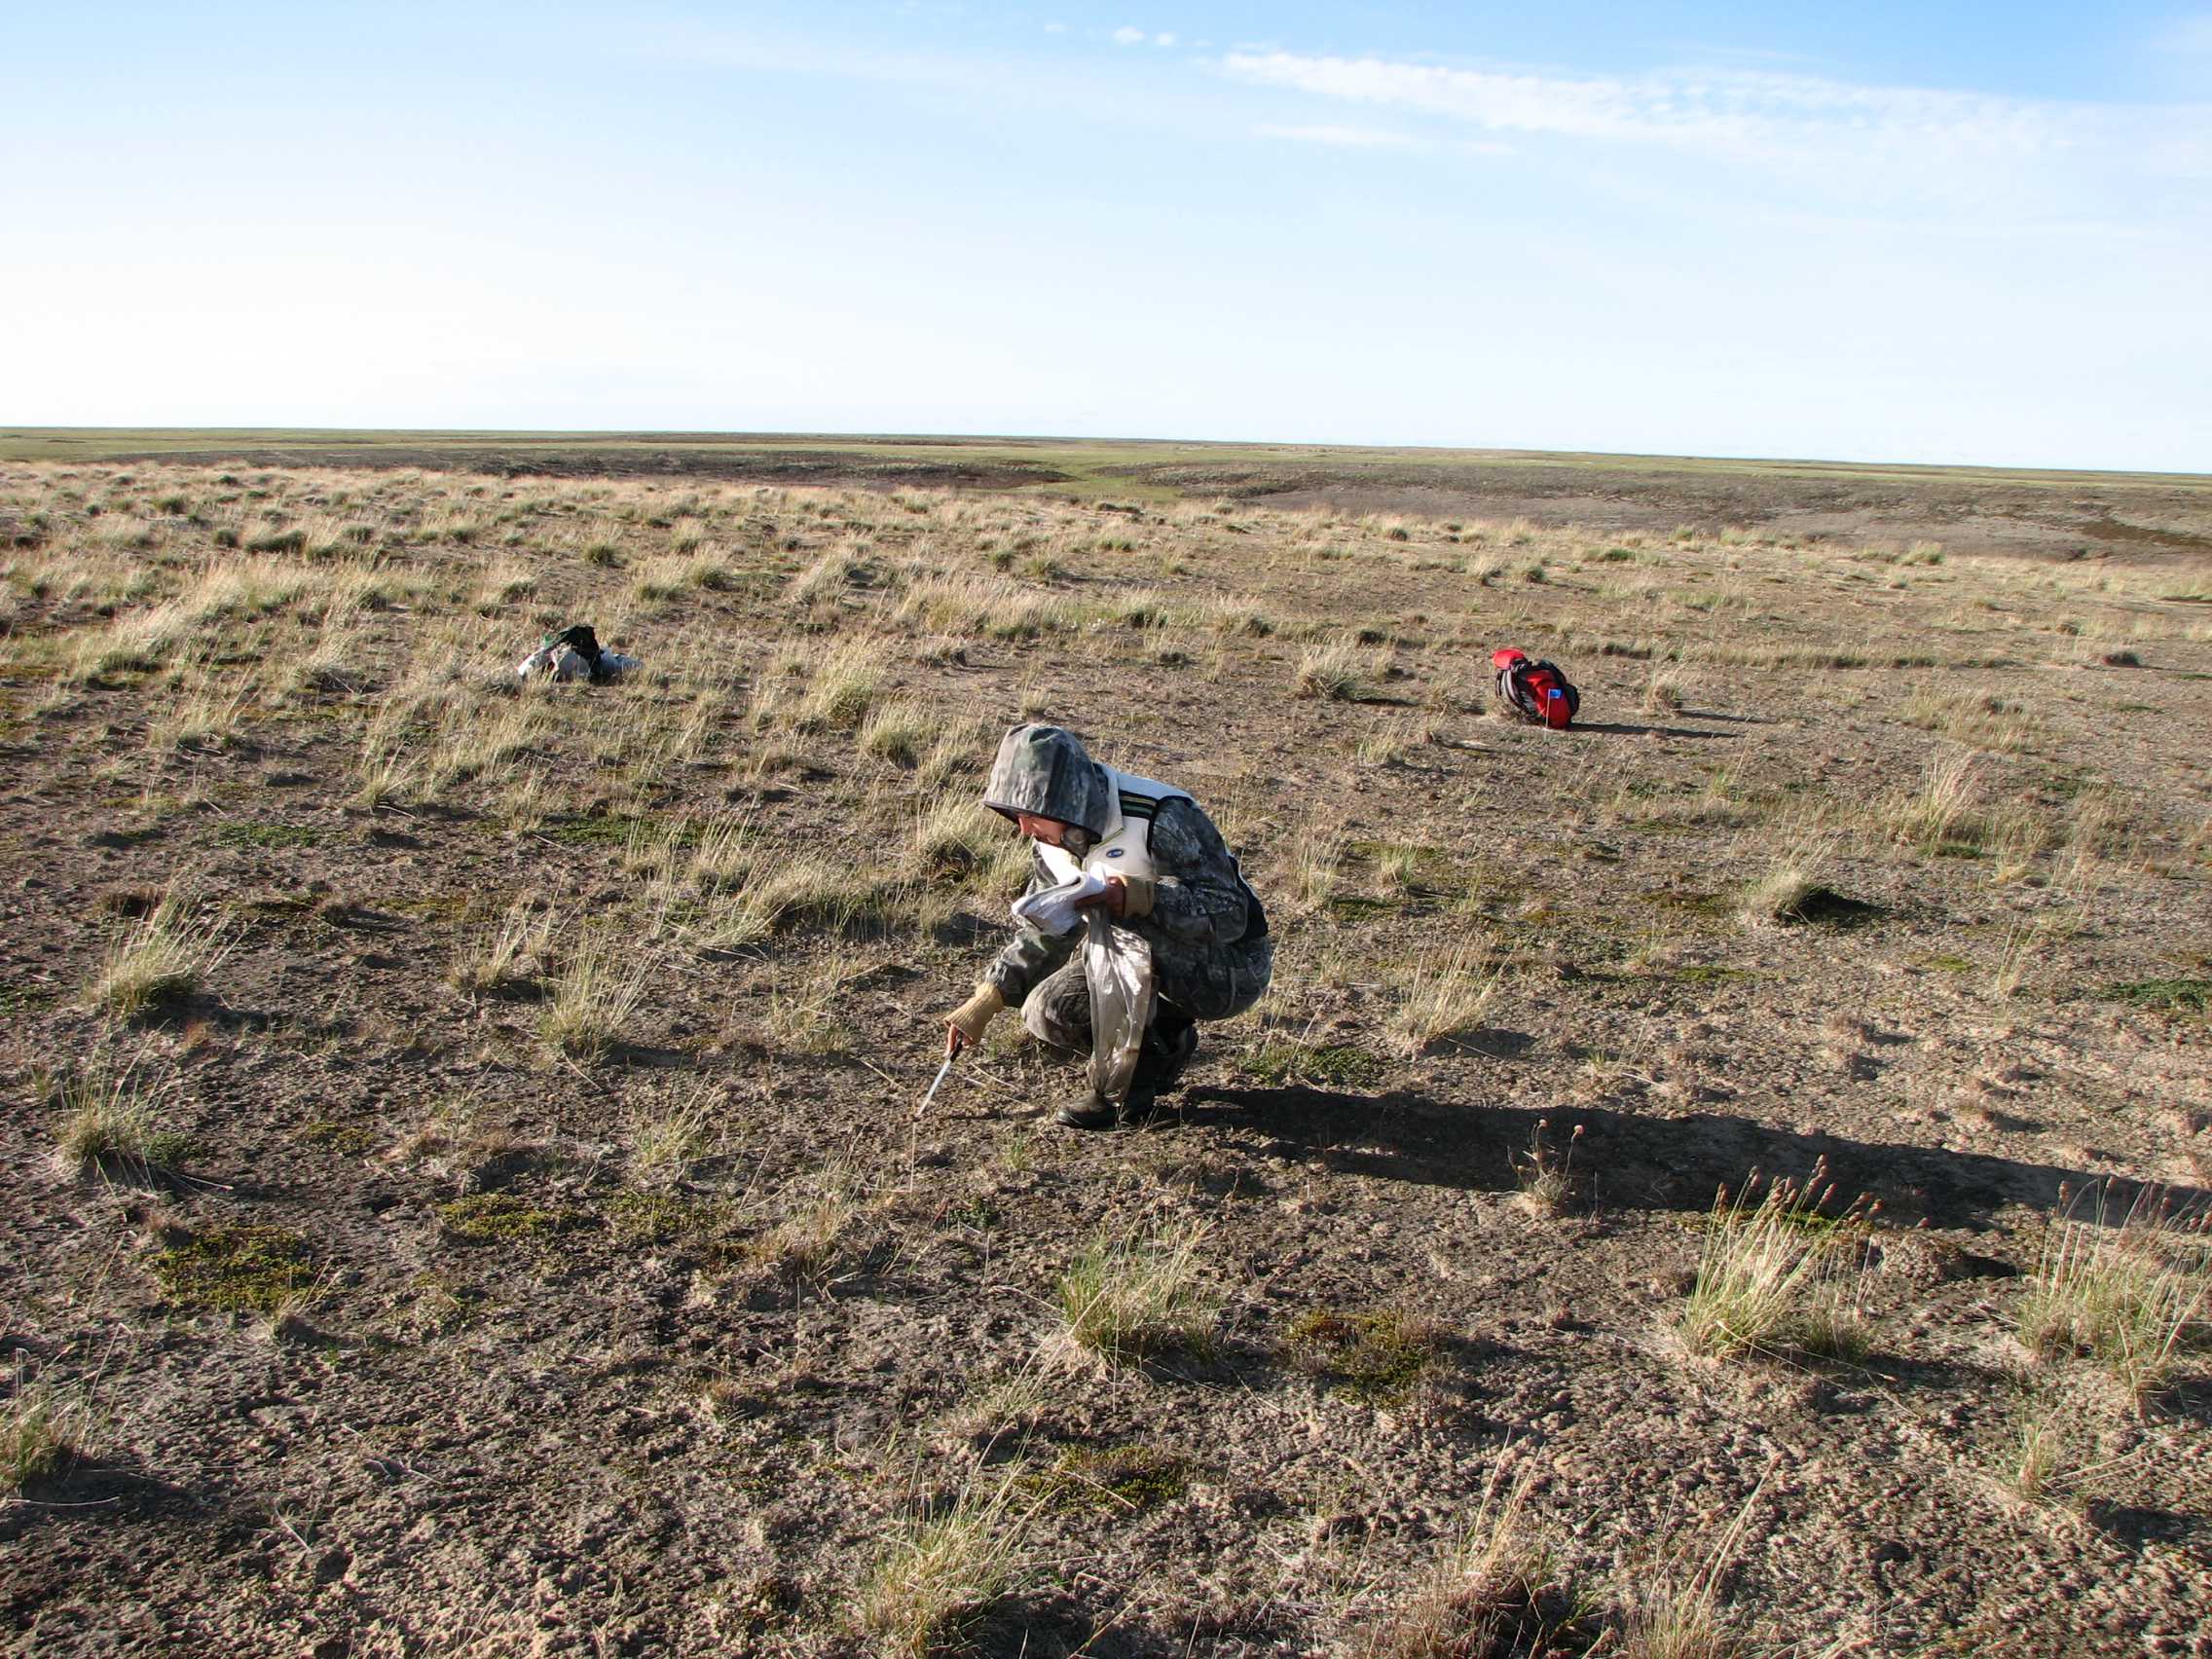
pixel 1149 864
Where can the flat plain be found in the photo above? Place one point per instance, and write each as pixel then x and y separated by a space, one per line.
pixel 1726 1179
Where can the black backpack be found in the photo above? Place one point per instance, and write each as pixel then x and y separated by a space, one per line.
pixel 584 641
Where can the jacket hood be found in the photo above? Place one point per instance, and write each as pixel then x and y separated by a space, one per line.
pixel 1047 772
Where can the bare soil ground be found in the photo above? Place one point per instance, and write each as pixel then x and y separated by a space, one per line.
pixel 463 1191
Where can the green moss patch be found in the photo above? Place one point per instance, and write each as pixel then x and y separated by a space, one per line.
pixel 349 1139
pixel 1123 1480
pixel 1819 906
pixel 1357 908
pixel 501 1218
pixel 171 1148
pixel 615 829
pixel 598 829
pixel 1376 1355
pixel 2173 995
pixel 236 1270
pixel 1699 904
pixel 1338 1065
pixel 660 1218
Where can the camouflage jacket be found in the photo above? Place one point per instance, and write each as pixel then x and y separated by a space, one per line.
pixel 1200 906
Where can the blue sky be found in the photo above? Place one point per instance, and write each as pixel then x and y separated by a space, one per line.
pixel 1974 232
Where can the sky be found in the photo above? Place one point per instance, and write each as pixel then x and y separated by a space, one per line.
pixel 1963 234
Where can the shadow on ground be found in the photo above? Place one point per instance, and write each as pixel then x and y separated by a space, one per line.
pixel 1618 729
pixel 1675 1163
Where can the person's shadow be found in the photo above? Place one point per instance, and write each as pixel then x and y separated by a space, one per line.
pixel 1672 1162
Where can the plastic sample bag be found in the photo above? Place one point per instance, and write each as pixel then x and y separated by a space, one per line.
pixel 1117 963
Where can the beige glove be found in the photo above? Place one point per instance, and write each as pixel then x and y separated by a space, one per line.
pixel 965 1025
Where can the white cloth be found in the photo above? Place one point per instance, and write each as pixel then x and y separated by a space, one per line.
pixel 555 662
pixel 564 663
pixel 1054 911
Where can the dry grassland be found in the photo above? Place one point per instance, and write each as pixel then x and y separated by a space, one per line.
pixel 1725 1180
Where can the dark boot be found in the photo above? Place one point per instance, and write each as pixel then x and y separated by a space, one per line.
pixel 1090 1111
pixel 1170 1042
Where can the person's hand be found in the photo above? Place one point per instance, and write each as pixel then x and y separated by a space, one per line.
pixel 965 1025
pixel 1115 900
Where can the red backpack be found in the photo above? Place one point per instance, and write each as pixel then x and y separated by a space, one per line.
pixel 1536 690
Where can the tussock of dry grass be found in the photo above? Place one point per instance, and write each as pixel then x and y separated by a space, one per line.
pixel 1316 856
pixel 106 1119
pixel 783 888
pixel 1674 1607
pixel 665 1136
pixel 167 955
pixel 1978 719
pixel 899 731
pixel 943 1571
pixel 511 955
pixel 39 1430
pixel 1122 1298
pixel 597 995
pixel 843 688
pixel 1482 1592
pixel 2133 1292
pixel 808 1240
pixel 1447 995
pixel 1778 1275
pixel 1796 883
pixel 1942 811
pixel 1331 671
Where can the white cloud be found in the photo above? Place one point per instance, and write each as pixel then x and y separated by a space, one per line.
pixel 1731 110
pixel 1164 40
pixel 1350 137
pixel 1896 142
pixel 1127 36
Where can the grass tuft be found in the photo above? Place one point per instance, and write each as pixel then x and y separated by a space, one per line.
pixel 597 996
pixel 509 957
pixel 665 1138
pixel 38 1433
pixel 1488 1592
pixel 2130 1293
pixel 1446 997
pixel 105 1119
pixel 1781 1276
pixel 941 1574
pixel 164 958
pixel 1330 672
pixel 1122 1298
